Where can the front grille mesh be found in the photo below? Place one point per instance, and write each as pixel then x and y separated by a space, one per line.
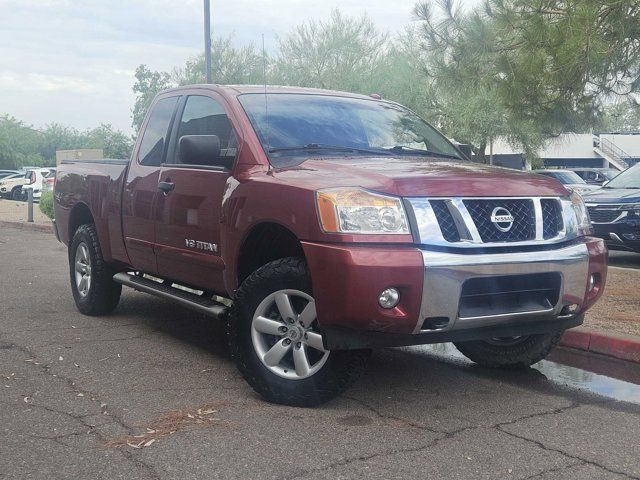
pixel 524 221
pixel 603 215
pixel 551 218
pixel 445 220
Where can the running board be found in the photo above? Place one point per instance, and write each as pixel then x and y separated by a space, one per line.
pixel 175 295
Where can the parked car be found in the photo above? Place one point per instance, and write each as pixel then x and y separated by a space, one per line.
pixel 49 180
pixel 615 210
pixel 11 186
pixel 596 176
pixel 569 179
pixel 333 223
pixel 7 173
pixel 34 181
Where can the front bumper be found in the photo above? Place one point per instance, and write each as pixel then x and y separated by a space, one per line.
pixel 447 296
pixel 624 235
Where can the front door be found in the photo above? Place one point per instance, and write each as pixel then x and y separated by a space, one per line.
pixel 140 196
pixel 188 230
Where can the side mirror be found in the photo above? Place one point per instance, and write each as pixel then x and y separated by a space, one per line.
pixel 200 150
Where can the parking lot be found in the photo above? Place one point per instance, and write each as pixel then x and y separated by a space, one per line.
pixel 150 392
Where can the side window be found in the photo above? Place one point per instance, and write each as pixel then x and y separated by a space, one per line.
pixel 205 116
pixel 153 140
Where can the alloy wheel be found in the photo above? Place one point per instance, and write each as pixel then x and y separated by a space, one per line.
pixel 285 336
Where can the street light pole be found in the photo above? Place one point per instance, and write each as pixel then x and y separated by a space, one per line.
pixel 207 41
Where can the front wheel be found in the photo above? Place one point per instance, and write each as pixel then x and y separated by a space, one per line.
pixel 277 343
pixel 510 352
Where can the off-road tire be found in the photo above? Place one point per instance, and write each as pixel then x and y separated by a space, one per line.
pixel 103 294
pixel 530 350
pixel 341 369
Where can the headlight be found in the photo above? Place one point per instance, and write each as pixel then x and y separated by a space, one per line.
pixel 582 215
pixel 633 211
pixel 353 210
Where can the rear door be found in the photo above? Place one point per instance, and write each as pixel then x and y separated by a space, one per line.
pixel 188 229
pixel 140 195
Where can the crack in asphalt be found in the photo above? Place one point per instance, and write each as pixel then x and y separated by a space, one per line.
pixel 46 368
pixel 500 427
pixel 561 468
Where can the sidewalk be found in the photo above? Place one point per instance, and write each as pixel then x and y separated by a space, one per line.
pixel 612 326
pixel 14 213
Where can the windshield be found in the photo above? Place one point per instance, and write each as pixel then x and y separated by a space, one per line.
pixel 304 125
pixel 566 178
pixel 630 178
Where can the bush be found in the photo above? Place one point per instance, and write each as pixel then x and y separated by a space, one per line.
pixel 46 204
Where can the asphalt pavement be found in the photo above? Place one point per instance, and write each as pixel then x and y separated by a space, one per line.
pixel 150 392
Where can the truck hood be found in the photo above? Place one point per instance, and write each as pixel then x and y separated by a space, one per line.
pixel 418 177
pixel 613 195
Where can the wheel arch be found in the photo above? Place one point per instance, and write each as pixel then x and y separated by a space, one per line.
pixel 264 243
pixel 79 215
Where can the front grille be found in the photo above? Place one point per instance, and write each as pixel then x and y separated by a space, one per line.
pixel 603 214
pixel 524 221
pixel 551 218
pixel 445 220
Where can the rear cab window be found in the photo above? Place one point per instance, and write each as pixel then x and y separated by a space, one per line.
pixel 152 145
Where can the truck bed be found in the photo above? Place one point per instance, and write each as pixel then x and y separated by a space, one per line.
pixel 95 185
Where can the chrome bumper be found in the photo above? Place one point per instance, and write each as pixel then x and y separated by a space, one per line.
pixel 446 273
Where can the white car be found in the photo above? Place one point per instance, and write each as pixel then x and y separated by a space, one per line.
pixel 34 179
pixel 49 180
pixel 11 186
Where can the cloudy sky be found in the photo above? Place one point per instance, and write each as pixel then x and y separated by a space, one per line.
pixel 73 61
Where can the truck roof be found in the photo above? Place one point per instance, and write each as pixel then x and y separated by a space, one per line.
pixel 270 89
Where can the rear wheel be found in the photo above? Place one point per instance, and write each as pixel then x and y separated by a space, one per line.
pixel 94 290
pixel 510 352
pixel 277 343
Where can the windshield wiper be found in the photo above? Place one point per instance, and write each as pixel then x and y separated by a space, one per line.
pixel 323 146
pixel 419 151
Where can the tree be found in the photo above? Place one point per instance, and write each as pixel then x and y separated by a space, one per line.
pixel 561 60
pixel 622 117
pixel 341 53
pixel 114 143
pixel 462 69
pixel 18 144
pixel 229 65
pixel 148 84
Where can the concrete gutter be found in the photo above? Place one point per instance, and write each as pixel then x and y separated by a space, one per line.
pixel 617 345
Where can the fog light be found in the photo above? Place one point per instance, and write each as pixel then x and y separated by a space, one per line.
pixel 389 298
pixel 592 282
pixel 570 309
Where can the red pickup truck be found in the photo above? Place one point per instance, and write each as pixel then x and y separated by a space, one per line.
pixel 323 224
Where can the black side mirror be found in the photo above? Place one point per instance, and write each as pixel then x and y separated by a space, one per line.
pixel 200 150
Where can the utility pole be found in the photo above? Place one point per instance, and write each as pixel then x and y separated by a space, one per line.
pixel 207 41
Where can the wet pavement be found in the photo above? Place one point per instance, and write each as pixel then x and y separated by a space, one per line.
pixel 573 369
pixel 151 393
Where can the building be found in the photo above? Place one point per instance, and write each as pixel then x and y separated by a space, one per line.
pixel 570 150
pixel 78 154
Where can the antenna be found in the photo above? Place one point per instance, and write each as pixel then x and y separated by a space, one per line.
pixel 266 103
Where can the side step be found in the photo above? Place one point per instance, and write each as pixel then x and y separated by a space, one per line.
pixel 186 299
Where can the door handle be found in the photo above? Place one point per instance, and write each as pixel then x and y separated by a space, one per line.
pixel 166 187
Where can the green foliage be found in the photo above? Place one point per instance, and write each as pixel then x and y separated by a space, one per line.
pixel 340 53
pixel 22 145
pixel 229 65
pixel 18 144
pixel 148 84
pixel 621 117
pixel 46 204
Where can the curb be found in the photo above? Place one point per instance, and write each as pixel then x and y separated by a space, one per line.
pixel 623 347
pixel 39 227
